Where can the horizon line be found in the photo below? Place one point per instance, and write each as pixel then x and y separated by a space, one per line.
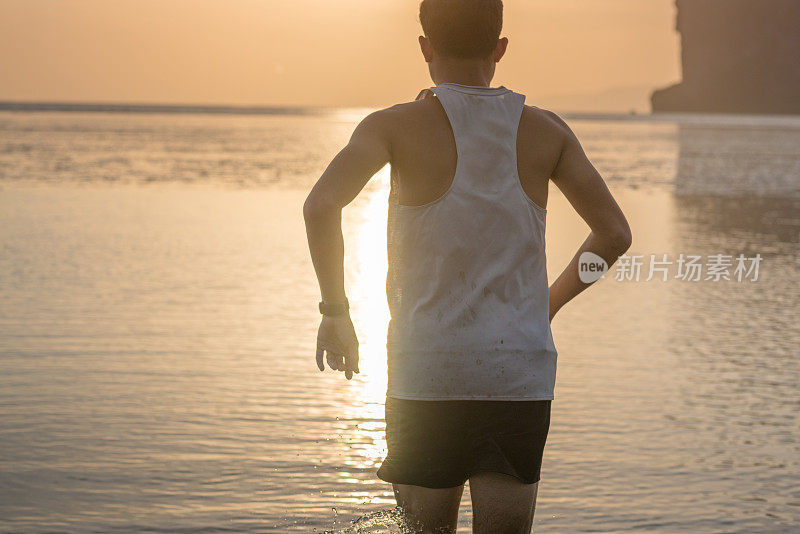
pixel 127 107
pixel 229 109
pixel 321 110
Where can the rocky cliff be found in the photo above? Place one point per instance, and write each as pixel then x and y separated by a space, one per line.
pixel 738 56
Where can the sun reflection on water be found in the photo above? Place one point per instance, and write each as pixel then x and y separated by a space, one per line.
pixel 365 277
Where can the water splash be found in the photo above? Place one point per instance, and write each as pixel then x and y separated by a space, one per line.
pixel 392 521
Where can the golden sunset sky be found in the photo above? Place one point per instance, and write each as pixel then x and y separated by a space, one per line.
pixel 568 54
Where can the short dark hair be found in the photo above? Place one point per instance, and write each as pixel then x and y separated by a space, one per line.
pixel 462 28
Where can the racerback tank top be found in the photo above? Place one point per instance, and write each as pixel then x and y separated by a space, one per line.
pixel 467 279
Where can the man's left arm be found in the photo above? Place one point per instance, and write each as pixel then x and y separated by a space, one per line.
pixel 366 153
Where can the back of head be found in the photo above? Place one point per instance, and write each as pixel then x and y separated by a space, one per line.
pixel 464 29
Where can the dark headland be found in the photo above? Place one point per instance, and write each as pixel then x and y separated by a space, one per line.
pixel 738 56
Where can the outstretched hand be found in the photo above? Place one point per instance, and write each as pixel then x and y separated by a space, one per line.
pixel 337 343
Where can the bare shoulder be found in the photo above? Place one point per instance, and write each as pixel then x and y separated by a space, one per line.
pixel 399 115
pixel 541 139
pixel 546 122
pixel 395 124
pixel 407 113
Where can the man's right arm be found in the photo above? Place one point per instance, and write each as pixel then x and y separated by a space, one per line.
pixel 585 189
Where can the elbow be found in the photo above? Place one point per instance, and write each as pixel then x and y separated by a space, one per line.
pixel 616 240
pixel 310 208
pixel 621 239
pixel 314 208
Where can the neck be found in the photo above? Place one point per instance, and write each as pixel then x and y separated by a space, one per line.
pixel 462 71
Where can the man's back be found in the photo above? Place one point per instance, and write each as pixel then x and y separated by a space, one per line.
pixel 467 281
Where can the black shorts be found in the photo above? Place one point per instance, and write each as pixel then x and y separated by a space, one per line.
pixel 440 443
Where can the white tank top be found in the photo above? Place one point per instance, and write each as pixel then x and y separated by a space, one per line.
pixel 467 279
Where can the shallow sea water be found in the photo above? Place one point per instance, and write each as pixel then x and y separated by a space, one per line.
pixel 158 320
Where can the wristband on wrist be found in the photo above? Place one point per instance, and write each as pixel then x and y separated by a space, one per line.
pixel 334 308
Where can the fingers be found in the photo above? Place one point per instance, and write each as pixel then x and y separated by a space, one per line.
pixel 320 356
pixel 337 344
pixel 347 362
pixel 335 361
pixel 351 362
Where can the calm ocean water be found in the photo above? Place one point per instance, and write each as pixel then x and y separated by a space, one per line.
pixel 158 321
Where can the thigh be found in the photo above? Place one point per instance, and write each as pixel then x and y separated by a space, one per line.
pixel 501 504
pixel 429 510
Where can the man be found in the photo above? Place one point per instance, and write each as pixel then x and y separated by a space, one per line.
pixel 470 352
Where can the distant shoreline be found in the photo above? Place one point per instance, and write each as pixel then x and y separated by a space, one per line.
pixel 193 109
pixel 165 108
